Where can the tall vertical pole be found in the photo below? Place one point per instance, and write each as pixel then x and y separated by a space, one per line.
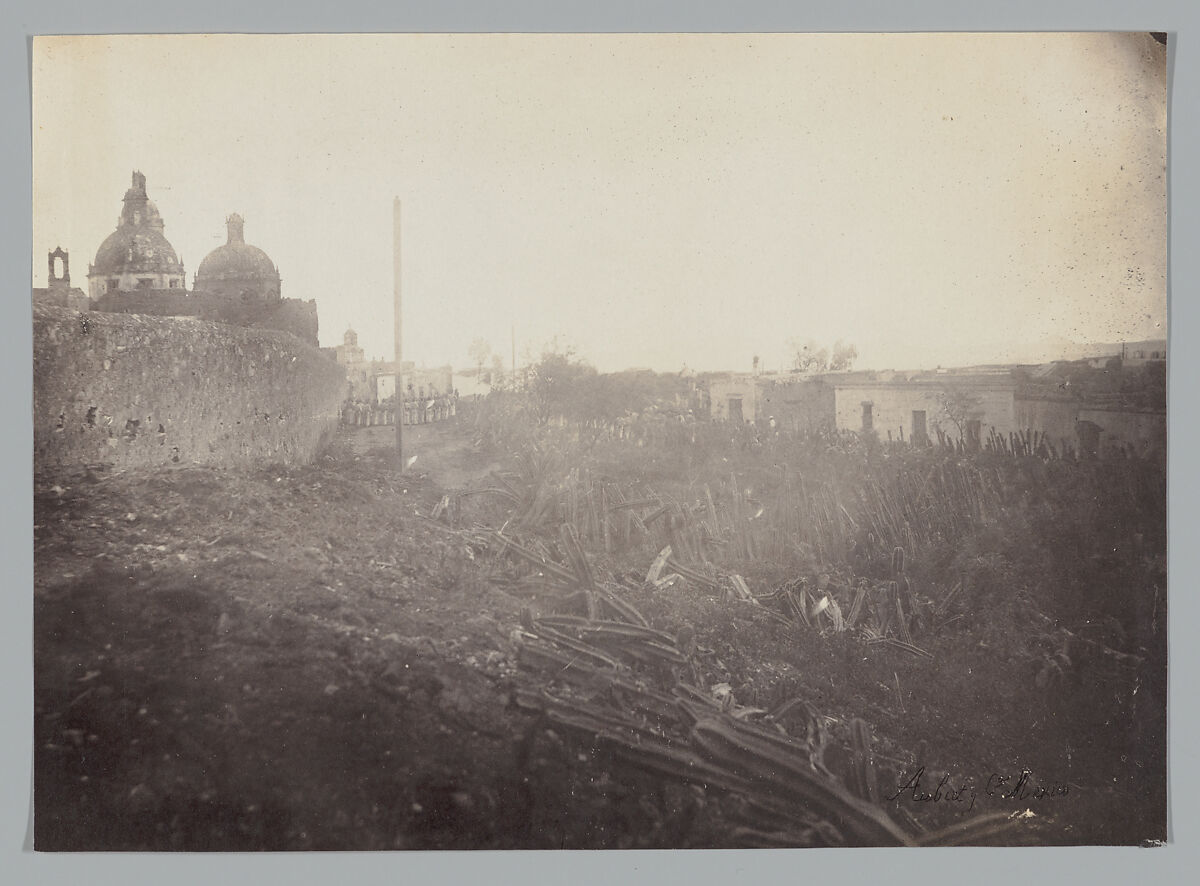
pixel 399 372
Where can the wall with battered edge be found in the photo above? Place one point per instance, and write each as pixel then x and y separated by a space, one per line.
pixel 134 390
pixel 288 314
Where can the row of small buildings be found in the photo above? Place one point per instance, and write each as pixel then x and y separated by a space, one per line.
pixel 969 404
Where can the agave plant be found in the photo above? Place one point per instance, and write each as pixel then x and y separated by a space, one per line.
pixel 618 688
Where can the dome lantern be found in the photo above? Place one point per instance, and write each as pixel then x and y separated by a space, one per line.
pixel 235 225
pixel 237 269
pixel 136 256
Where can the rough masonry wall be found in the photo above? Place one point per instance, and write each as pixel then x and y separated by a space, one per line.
pixel 288 315
pixel 134 390
pixel 64 297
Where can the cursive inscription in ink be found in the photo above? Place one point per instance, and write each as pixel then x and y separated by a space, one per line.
pixel 920 787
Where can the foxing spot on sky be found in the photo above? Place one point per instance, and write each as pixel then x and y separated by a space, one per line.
pixel 652 200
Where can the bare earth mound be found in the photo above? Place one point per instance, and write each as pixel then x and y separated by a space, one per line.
pixel 339 657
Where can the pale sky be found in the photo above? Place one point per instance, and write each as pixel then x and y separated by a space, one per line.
pixel 652 200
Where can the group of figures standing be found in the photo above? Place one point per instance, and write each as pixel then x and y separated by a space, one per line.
pixel 416 409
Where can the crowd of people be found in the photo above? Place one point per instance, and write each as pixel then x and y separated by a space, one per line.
pixel 416 408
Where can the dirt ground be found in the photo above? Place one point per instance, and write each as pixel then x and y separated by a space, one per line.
pixel 273 659
pixel 444 452
pixel 302 658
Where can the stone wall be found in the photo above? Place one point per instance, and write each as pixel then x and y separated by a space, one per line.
pixel 893 404
pixel 798 405
pixel 288 314
pixel 134 390
pixel 1053 416
pixel 1144 431
pixel 63 297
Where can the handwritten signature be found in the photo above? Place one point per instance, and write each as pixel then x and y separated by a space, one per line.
pixel 997 786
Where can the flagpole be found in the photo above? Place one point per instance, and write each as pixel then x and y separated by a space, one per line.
pixel 399 397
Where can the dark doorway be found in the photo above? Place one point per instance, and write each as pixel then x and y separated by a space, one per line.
pixel 868 418
pixel 974 434
pixel 735 410
pixel 919 436
pixel 1088 433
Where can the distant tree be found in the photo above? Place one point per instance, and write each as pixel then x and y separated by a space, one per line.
pixel 844 356
pixel 959 405
pixel 607 397
pixel 556 382
pixel 496 377
pixel 808 356
pixel 479 351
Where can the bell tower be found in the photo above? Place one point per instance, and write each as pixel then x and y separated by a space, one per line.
pixel 52 278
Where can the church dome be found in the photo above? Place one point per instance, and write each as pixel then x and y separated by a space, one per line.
pixel 138 245
pixel 238 266
pixel 136 251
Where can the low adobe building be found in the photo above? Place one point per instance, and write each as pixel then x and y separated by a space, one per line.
pixel 916 406
pixel 797 402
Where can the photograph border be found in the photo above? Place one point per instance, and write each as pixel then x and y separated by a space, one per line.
pixel 1099 864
